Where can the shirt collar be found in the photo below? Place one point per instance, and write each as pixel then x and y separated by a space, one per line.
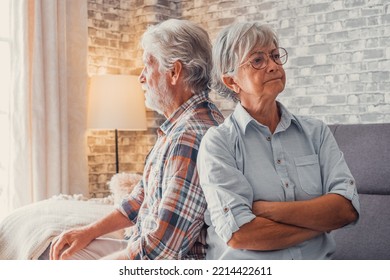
pixel 286 119
pixel 183 110
pixel 244 119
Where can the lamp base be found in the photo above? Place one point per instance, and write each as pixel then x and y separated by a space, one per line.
pixel 116 151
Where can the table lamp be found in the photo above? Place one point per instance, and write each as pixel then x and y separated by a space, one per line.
pixel 116 102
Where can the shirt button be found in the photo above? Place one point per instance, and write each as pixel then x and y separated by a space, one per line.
pixel 351 182
pixel 278 161
pixel 269 138
pixel 225 209
pixel 286 185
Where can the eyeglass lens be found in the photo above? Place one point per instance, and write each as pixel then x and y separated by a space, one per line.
pixel 260 59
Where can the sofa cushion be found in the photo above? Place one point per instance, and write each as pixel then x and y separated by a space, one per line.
pixel 369 238
pixel 366 149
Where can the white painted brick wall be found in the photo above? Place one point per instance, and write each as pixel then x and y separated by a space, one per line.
pixel 339 57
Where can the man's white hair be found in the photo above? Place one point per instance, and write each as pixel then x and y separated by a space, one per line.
pixel 181 40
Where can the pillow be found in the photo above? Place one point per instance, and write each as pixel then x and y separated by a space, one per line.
pixel 122 184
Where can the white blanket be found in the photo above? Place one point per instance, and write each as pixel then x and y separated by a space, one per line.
pixel 26 233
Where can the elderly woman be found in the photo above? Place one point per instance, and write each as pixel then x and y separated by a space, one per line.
pixel 276 184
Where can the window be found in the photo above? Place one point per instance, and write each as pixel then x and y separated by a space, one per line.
pixel 5 77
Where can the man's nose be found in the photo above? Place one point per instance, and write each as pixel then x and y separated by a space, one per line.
pixel 141 77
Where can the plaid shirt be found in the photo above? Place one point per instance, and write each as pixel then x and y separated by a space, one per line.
pixel 167 206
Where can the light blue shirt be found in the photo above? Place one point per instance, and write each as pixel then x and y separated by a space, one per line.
pixel 241 161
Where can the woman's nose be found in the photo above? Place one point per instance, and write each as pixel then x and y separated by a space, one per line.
pixel 272 66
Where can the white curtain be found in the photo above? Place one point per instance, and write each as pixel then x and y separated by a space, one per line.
pixel 48 100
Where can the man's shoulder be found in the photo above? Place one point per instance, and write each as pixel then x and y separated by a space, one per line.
pixel 200 119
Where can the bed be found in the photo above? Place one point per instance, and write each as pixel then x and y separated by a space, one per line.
pixel 27 231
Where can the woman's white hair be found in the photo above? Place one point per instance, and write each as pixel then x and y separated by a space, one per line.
pixel 181 40
pixel 232 45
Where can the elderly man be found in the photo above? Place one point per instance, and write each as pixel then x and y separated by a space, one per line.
pixel 166 208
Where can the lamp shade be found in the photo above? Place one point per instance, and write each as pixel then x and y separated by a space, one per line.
pixel 116 102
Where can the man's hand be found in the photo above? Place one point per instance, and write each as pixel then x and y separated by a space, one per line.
pixel 69 242
pixel 73 240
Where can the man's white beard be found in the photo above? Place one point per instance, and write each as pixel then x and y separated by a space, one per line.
pixel 158 99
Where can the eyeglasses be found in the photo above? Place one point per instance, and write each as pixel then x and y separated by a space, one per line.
pixel 259 60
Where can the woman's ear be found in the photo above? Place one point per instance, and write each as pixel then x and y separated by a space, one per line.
pixel 231 83
pixel 176 72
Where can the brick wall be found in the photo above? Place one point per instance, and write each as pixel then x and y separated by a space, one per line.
pixel 338 69
pixel 339 52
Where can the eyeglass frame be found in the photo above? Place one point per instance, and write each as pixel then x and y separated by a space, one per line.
pixel 268 56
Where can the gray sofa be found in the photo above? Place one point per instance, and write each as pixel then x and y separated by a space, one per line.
pixel 366 148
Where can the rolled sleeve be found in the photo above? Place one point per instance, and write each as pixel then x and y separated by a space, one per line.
pixel 337 176
pixel 131 204
pixel 228 219
pixel 348 190
pixel 228 194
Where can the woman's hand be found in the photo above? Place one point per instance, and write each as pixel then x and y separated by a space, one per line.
pixel 324 213
pixel 262 209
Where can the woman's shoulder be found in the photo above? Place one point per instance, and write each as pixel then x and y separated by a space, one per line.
pixel 314 128
pixel 303 121
pixel 310 122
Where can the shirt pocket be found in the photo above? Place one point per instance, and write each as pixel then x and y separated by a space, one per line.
pixel 309 174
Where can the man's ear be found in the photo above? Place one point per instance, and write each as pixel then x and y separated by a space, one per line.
pixel 231 83
pixel 176 72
